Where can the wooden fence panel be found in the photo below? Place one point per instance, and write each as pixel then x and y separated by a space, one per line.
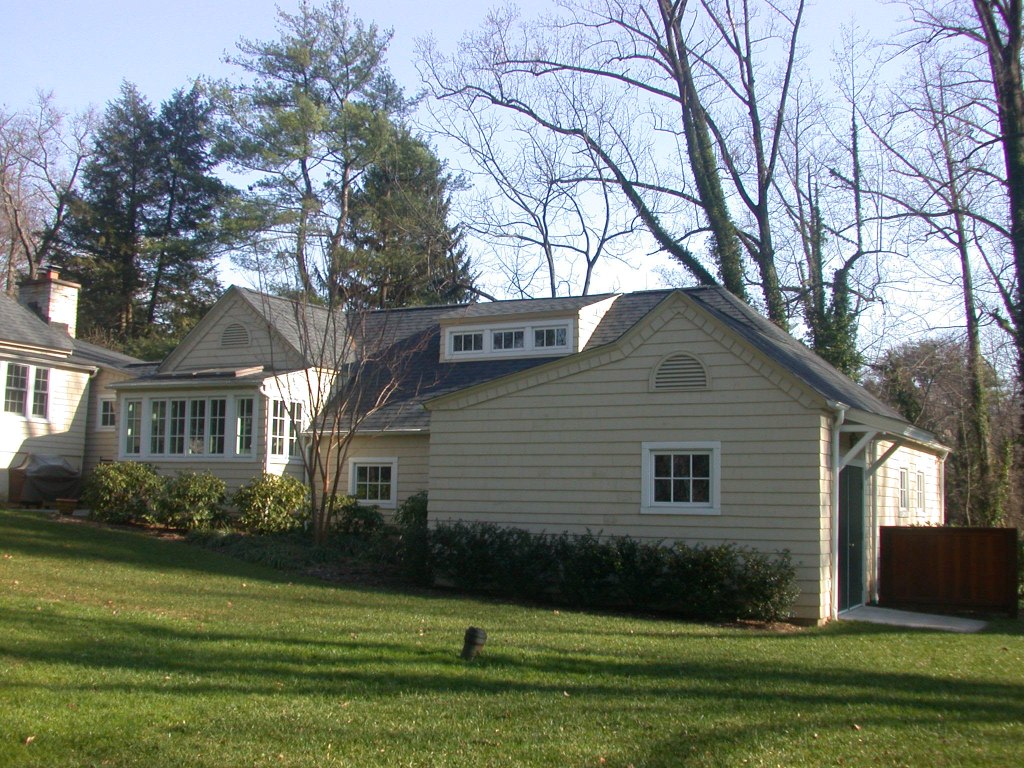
pixel 971 569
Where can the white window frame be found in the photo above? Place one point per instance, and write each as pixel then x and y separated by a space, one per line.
pixel 285 428
pixel 220 422
pixel 374 461
pixel 40 395
pixel 529 347
pixel 133 421
pixel 24 390
pixel 920 491
pixel 111 403
pixel 712 448
pixel 544 329
pixel 904 492
pixel 29 393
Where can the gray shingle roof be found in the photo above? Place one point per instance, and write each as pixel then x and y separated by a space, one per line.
pixel 93 354
pixel 413 337
pixel 523 306
pixel 20 325
pixel 788 352
pixel 304 326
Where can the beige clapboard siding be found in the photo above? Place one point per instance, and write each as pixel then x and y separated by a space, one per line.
pixel 411 450
pixel 101 445
pixel 234 473
pixel 887 487
pixel 207 352
pixel 566 454
pixel 62 433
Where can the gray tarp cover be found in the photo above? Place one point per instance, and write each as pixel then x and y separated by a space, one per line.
pixel 48 478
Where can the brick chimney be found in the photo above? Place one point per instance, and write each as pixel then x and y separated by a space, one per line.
pixel 53 299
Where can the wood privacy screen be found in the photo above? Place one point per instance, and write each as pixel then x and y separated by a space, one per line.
pixel 948 568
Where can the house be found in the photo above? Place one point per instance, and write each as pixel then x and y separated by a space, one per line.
pixel 57 400
pixel 234 396
pixel 666 415
pixel 662 415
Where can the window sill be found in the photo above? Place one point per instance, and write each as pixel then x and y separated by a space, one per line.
pixel 685 511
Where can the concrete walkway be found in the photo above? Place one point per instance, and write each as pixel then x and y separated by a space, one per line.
pixel 873 615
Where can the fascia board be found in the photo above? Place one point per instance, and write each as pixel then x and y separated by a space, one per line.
pixel 894 429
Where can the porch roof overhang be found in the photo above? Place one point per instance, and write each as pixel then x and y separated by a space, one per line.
pixel 870 427
pixel 193 380
pixel 873 427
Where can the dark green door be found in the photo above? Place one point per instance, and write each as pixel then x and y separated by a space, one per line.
pixel 851 537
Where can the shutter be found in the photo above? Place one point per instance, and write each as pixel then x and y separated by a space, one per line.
pixel 235 335
pixel 680 371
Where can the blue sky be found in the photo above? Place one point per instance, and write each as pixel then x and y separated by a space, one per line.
pixel 83 49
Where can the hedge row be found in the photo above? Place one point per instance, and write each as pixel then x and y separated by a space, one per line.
pixel 700 582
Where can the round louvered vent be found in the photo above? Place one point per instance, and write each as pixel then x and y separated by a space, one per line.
pixel 680 371
pixel 235 335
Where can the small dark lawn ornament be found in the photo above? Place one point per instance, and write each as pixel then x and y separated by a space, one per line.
pixel 475 639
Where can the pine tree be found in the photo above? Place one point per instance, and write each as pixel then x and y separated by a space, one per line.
pixel 405 253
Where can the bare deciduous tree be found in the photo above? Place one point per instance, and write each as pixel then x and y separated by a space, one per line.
pixel 705 83
pixel 42 151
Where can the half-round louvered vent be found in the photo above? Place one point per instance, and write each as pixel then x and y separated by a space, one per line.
pixel 680 371
pixel 235 335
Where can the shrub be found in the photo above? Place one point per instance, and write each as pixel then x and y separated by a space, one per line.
pixel 718 582
pixel 412 513
pixel 192 500
pixel 270 503
pixel 122 492
pixel 355 518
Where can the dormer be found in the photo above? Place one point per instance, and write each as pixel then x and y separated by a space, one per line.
pixel 515 329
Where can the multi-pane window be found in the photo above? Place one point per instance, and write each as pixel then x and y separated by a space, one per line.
pixel 372 482
pixel 41 392
pixel 133 426
pixel 549 337
pixel 285 425
pixel 197 427
pixel 544 339
pixel 16 389
pixel 158 426
pixel 681 478
pixel 176 442
pixel 468 342
pixel 244 408
pixel 296 427
pixel 108 413
pixel 218 424
pixel 507 339
pixel 183 427
pixel 278 427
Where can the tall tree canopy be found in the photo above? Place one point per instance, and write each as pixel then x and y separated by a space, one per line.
pixel 142 234
pixel 316 123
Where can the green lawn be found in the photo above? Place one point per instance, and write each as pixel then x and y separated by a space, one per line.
pixel 117 649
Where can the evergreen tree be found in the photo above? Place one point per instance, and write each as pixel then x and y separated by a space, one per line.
pixel 112 216
pixel 143 235
pixel 404 251
pixel 182 273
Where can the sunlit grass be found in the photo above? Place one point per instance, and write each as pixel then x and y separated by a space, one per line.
pixel 117 649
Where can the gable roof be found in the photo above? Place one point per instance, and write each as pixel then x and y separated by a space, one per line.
pixel 21 326
pixel 789 353
pixel 297 323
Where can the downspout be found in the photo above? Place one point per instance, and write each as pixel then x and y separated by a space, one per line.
pixel 839 410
